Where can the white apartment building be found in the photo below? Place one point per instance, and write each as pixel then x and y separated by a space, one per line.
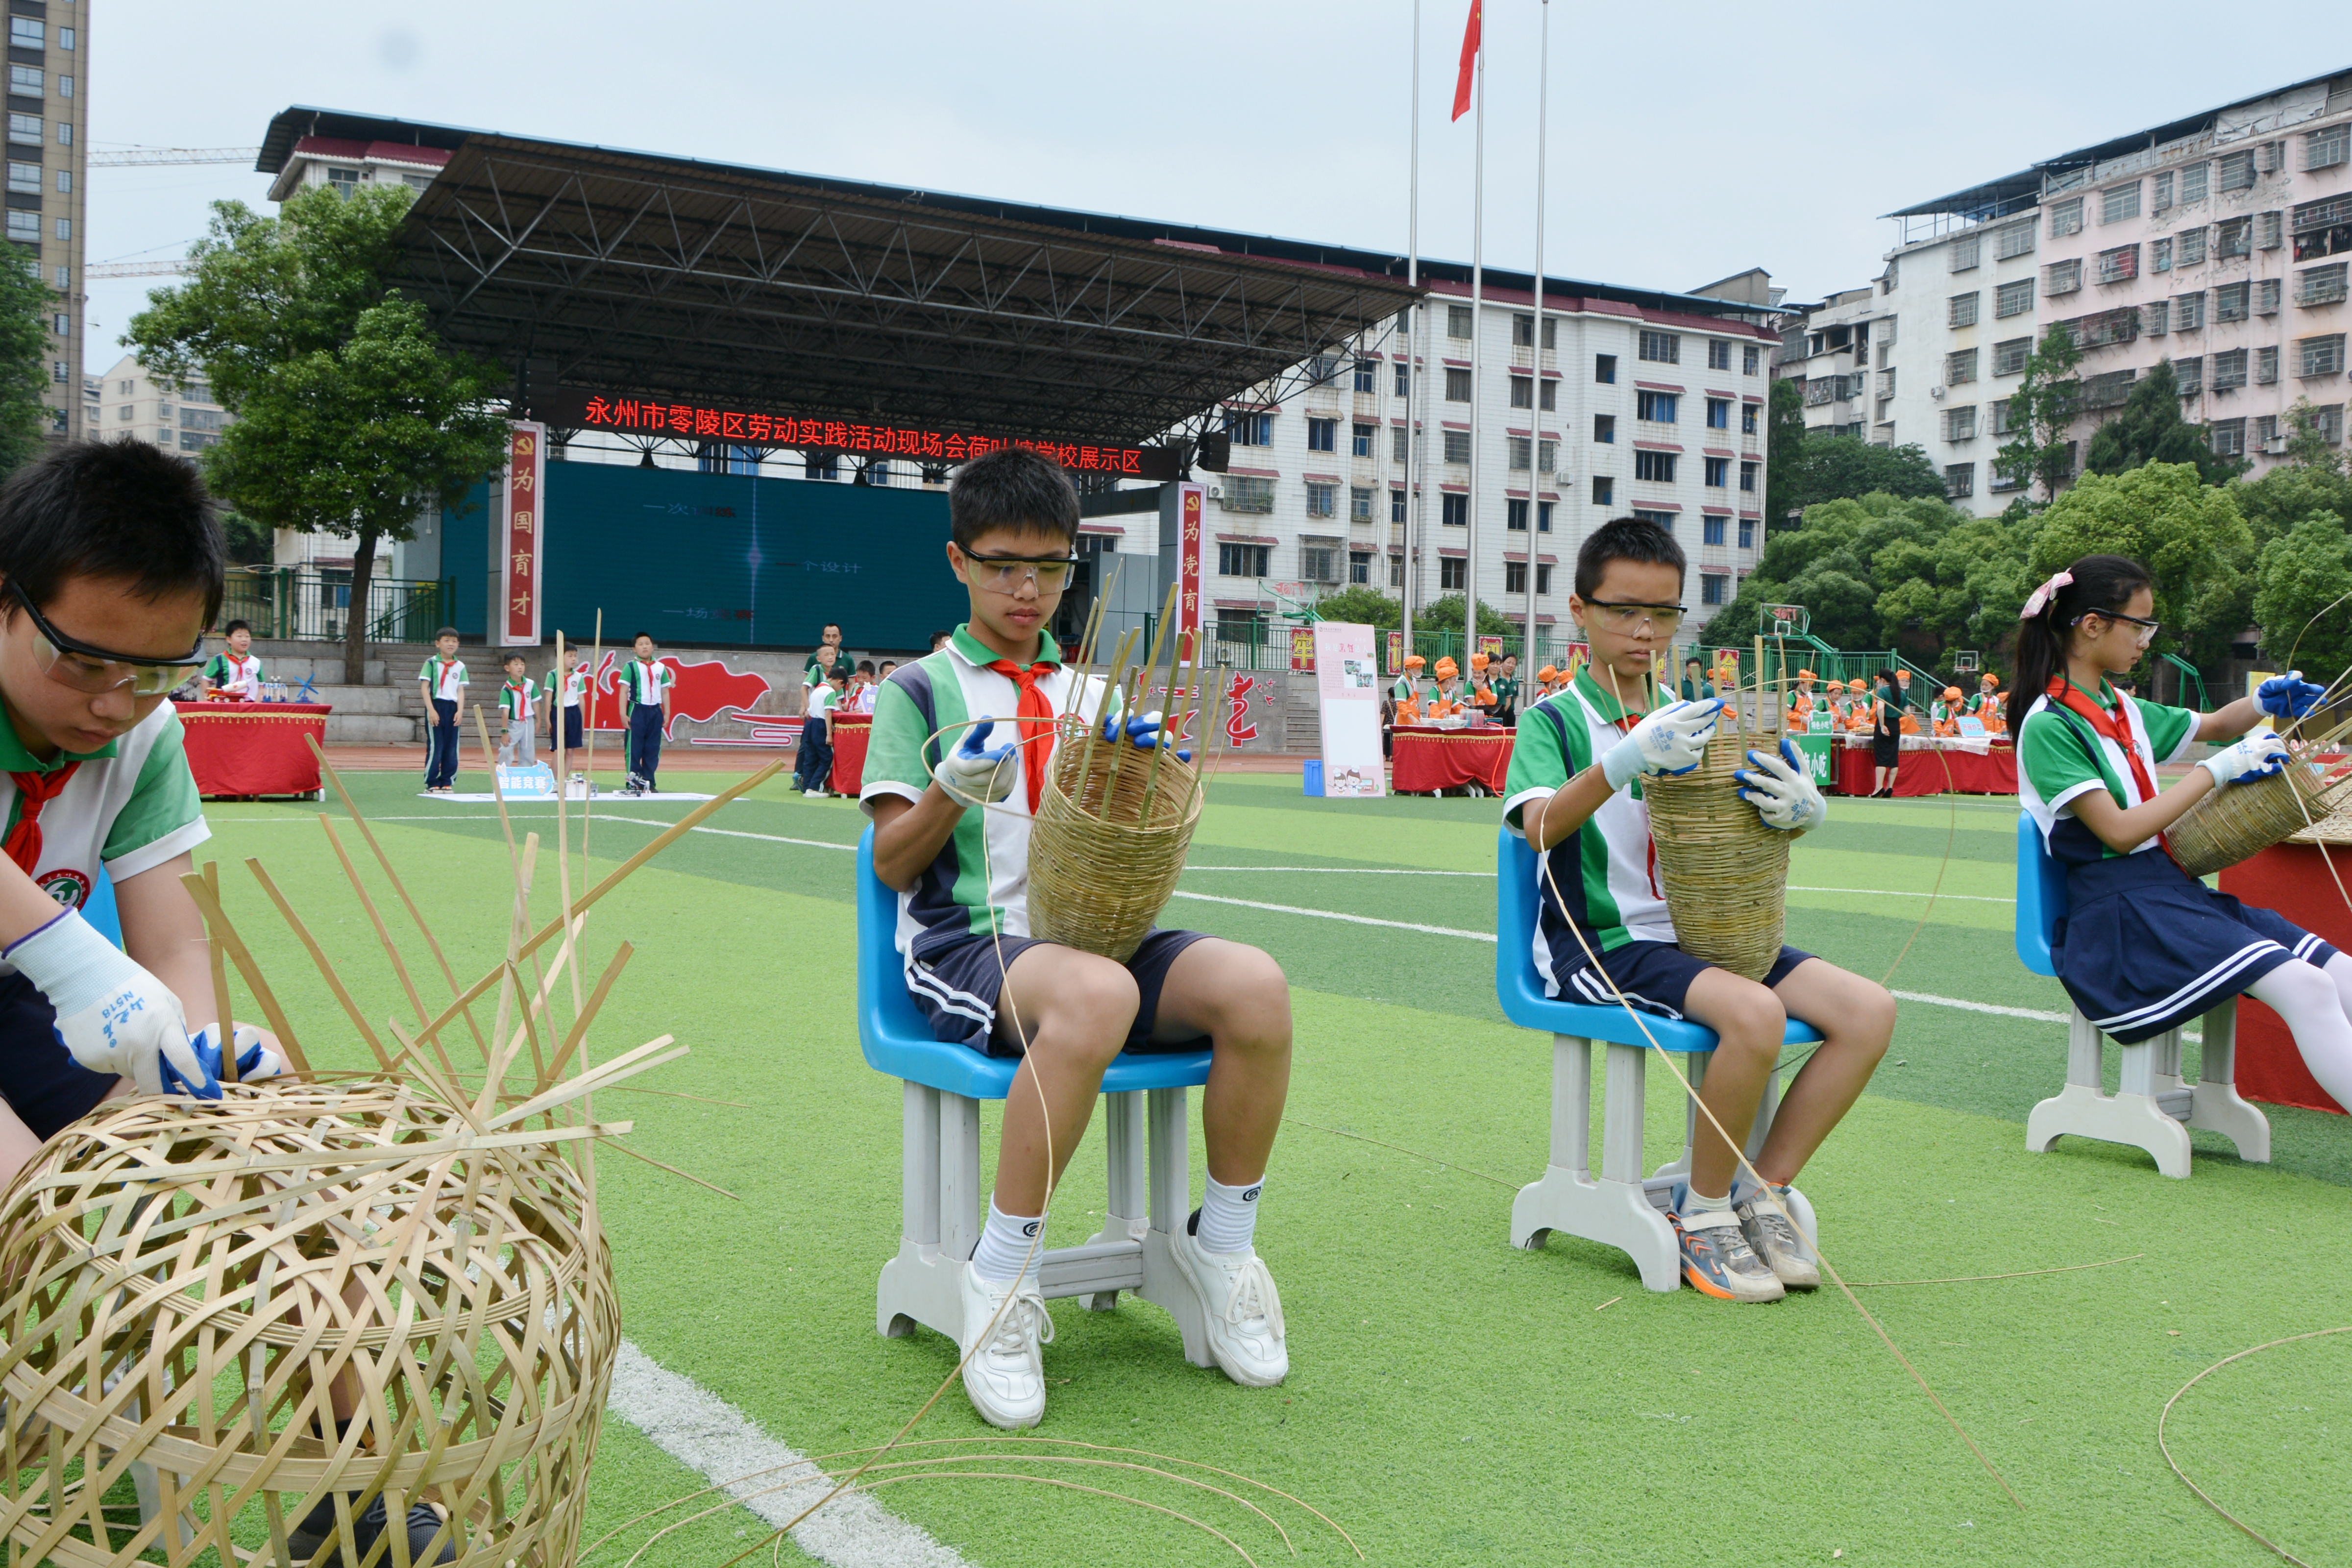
pixel 349 164
pixel 128 401
pixel 2206 240
pixel 1635 402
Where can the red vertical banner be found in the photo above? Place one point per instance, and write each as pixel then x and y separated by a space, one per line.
pixel 525 532
pixel 1396 653
pixel 1191 502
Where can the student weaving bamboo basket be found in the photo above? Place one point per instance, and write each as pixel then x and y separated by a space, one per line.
pixel 1725 873
pixel 2236 824
pixel 1115 821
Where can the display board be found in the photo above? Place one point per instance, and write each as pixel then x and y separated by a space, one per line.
pixel 1347 684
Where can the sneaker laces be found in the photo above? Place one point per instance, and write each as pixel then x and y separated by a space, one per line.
pixel 1250 1293
pixel 1779 1231
pixel 1720 1228
pixel 1023 1323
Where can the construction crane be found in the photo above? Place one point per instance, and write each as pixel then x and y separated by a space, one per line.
pixel 134 270
pixel 124 156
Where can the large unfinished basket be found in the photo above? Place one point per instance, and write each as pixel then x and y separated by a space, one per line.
pixel 2239 822
pixel 186 1283
pixel 1725 873
pixel 1099 873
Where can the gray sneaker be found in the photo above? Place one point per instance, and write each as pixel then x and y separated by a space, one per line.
pixel 1778 1242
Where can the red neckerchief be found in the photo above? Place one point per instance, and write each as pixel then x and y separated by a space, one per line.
pixel 33 791
pixel 1035 716
pixel 2075 699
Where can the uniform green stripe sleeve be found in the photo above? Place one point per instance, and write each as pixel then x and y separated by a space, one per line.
pixel 2053 757
pixel 162 803
pixel 2169 729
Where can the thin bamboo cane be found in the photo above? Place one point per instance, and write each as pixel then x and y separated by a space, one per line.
pixel 586 1014
pixel 519 922
pixel 588 718
pixel 208 902
pixel 319 957
pixel 1136 703
pixel 223 1008
pixel 367 833
pixel 383 932
pixel 1159 752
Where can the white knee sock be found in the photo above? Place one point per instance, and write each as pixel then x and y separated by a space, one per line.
pixel 2340 969
pixel 1008 1242
pixel 1228 1217
pixel 2309 999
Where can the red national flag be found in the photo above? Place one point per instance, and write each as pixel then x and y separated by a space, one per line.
pixel 1469 75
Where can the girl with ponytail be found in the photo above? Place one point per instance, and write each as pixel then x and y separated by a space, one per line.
pixel 2145 946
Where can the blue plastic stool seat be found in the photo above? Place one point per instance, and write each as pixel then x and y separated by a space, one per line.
pixel 1622 1207
pixel 2153 1108
pixel 941 1197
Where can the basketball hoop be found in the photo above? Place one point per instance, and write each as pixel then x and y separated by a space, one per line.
pixel 1794 620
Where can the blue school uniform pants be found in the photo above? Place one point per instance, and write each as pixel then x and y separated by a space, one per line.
pixel 645 740
pixel 815 765
pixel 441 745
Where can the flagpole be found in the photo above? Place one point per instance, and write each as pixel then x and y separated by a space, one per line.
pixel 1477 335
pixel 1412 336
pixel 1535 361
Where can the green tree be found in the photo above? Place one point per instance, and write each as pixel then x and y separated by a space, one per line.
pixel 1359 605
pixel 2302 598
pixel 25 305
pixel 2150 430
pixel 2041 411
pixel 249 543
pixel 1784 454
pixel 351 417
pixel 2190 535
pixel 1445 616
pixel 1846 468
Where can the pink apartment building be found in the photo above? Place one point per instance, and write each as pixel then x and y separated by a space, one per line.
pixel 2219 244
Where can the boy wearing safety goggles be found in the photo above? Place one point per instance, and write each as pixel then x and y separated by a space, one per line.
pixel 954 771
pixel 111 565
pixel 1605 938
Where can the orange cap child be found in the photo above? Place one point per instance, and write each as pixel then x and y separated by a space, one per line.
pixel 1946 712
pixel 1546 678
pixel 1444 703
pixel 1478 663
pixel 1988 704
pixel 1860 717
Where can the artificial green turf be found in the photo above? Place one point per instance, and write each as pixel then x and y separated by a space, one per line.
pixel 1452 1400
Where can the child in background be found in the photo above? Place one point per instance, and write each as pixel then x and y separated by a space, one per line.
pixel 1403 692
pixel 1446 705
pixel 515 705
pixel 1988 704
pixel 1696 687
pixel 1506 686
pixel 645 696
pixel 443 682
pixel 815 765
pixel 1944 713
pixel 234 673
pixel 861 701
pixel 951 829
pixel 884 673
pixel 2145 946
pixel 1604 932
pixel 1801 700
pixel 562 693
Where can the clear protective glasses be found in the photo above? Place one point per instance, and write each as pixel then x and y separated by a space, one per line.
pixel 1006 574
pixel 83 667
pixel 2147 629
pixel 1666 618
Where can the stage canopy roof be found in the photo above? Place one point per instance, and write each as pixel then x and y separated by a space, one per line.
pixel 713 283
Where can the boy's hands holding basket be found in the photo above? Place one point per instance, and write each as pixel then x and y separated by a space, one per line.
pixel 1670 741
pixel 972 774
pixel 1782 790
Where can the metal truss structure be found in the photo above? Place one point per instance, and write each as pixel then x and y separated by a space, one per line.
pixel 677 278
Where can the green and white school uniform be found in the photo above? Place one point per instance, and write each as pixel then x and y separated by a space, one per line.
pixel 228 672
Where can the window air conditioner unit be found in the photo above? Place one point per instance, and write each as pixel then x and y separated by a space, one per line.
pixel 2275 445
pixel 1937 392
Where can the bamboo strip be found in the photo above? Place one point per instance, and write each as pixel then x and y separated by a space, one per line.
pixel 319 957
pixel 224 1006
pixel 207 896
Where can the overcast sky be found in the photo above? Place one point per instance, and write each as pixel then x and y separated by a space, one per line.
pixel 1685 143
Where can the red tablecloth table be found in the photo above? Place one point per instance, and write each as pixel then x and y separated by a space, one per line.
pixel 849 733
pixel 2292 880
pixel 1855 771
pixel 239 749
pixel 1425 759
pixel 1934 772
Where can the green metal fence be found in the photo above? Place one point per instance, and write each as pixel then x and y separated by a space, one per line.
pixel 314 604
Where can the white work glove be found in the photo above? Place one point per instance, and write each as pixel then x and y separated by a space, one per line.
pixel 972 774
pixel 1783 793
pixel 113 1016
pixel 1670 741
pixel 2257 756
pixel 254 1059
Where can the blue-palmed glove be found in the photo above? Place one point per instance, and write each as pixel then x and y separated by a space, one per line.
pixel 974 775
pixel 1143 730
pixel 253 1060
pixel 2257 756
pixel 1782 789
pixel 1670 741
pixel 2288 696
pixel 113 1016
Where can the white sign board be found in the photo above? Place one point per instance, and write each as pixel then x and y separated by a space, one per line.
pixel 1347 681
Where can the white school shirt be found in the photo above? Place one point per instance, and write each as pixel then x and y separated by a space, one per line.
pixel 822 697
pixel 647 682
pixel 238 675
pixel 516 700
pixel 444 678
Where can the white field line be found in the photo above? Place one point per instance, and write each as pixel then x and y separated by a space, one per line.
pixel 708 1436
pixel 2038 1015
pixel 1335 915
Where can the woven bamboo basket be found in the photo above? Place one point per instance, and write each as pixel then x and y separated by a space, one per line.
pixel 185 1283
pixel 2228 825
pixel 1726 874
pixel 1099 873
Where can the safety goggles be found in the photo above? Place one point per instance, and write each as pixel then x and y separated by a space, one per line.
pixel 1625 617
pixel 2147 629
pixel 96 670
pixel 1006 574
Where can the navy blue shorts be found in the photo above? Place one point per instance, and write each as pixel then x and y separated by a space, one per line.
pixel 42 1083
pixel 956 985
pixel 1655 976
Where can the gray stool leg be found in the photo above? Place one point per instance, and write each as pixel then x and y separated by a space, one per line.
pixel 1128 1214
pixel 2214 1101
pixel 922 1284
pixel 1614 1209
pixel 2135 1116
pixel 1171 1204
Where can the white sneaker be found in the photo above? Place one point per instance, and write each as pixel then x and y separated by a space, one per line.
pixel 1002 1370
pixel 1780 1245
pixel 1243 1308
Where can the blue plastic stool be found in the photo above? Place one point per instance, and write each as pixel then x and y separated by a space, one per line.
pixel 2152 1104
pixel 941 1197
pixel 1622 1208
